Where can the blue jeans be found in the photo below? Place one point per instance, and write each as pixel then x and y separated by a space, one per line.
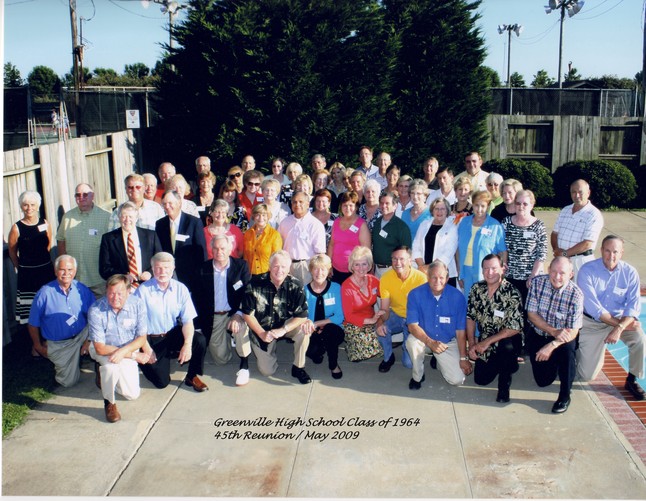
pixel 395 324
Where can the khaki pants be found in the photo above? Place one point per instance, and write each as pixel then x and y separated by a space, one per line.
pixel 589 357
pixel 220 342
pixel 121 378
pixel 448 362
pixel 66 357
pixel 267 361
pixel 301 271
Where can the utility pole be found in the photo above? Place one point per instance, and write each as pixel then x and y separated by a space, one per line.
pixel 76 51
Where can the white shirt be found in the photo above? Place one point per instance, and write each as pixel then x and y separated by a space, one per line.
pixel 302 238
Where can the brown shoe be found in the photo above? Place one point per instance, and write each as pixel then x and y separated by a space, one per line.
pixel 97 377
pixel 112 413
pixel 196 384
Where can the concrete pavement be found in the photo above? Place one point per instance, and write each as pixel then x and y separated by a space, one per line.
pixel 366 435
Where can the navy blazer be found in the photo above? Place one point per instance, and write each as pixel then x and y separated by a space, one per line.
pixel 113 257
pixel 189 253
pixel 238 276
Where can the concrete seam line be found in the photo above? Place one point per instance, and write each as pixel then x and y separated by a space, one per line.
pixel 462 449
pixel 298 444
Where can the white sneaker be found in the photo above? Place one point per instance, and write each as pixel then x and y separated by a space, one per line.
pixel 242 377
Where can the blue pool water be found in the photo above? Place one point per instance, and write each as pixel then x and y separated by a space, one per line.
pixel 620 351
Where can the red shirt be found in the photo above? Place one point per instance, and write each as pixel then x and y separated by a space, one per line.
pixel 356 305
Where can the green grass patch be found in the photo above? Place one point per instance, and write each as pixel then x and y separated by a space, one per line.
pixel 26 382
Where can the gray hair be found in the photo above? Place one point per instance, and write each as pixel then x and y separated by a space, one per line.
pixel 65 257
pixel 418 183
pixel 494 177
pixel 127 206
pixel 372 183
pixel 279 254
pixel 30 195
pixel 220 204
pixel 438 263
pixel 221 236
pixel 162 257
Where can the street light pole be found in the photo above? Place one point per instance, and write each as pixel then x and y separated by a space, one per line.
pixel 516 28
pixel 572 7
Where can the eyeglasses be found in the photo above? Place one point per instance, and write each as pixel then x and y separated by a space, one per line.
pixel 493 184
pixel 523 204
pixel 235 174
pixel 250 183
pixel 82 195
pixel 135 187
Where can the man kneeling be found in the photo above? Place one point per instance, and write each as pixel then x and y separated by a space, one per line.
pixel 117 331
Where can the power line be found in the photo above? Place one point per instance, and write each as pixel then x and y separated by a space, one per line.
pixel 600 14
pixel 114 2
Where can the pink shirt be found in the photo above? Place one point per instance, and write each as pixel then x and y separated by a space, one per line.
pixel 344 242
pixel 234 234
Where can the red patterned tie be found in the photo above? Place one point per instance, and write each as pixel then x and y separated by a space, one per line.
pixel 132 260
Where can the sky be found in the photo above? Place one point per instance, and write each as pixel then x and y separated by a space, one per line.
pixel 604 38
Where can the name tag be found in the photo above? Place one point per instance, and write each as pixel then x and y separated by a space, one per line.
pixel 560 315
pixel 93 232
pixel 201 208
pixel 181 238
pixel 330 223
pixel 129 322
pixel 260 199
pixel 529 234
pixel 445 320
pixel 619 292
pixel 329 301
pixel 237 285
pixel 383 234
pixel 353 229
pixel 42 227
pixel 303 236
pixel 374 291
pixel 499 314
pixel 71 320
pixel 486 231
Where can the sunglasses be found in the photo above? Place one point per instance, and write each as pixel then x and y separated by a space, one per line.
pixel 236 174
pixel 249 183
pixel 136 187
pixel 82 195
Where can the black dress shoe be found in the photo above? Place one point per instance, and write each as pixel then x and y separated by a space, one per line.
pixel 503 396
pixel 385 365
pixel 433 362
pixel 635 390
pixel 337 375
pixel 300 374
pixel 560 406
pixel 415 385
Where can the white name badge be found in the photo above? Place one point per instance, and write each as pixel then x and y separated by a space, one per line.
pixel 42 227
pixel 330 223
pixel 303 236
pixel 619 291
pixel 353 229
pixel 260 199
pixel 128 322
pixel 445 320
pixel 486 231
pixel 181 238
pixel 237 285
pixel 499 314
pixel 560 315
pixel 93 232
pixel 201 208
pixel 374 291
pixel 529 234
pixel 329 301
pixel 383 234
pixel 71 320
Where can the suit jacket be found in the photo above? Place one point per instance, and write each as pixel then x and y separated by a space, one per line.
pixel 112 253
pixel 238 276
pixel 190 250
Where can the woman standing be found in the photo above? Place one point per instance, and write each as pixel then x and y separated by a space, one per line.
pixel 463 206
pixel 205 196
pixel 236 213
pixel 322 200
pixel 403 195
pixel 325 311
pixel 278 210
pixel 478 235
pixel 392 176
pixel 348 231
pixel 337 172
pixel 29 243
pixel 369 210
pixel 493 181
pixel 508 190
pixel 220 224
pixel 358 297
pixel 260 241
pixel 437 238
pixel 277 167
pixel 418 213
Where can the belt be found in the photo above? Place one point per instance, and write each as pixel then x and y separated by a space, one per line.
pixel 158 335
pixel 221 312
pixel 382 265
pixel 589 316
pixel 584 253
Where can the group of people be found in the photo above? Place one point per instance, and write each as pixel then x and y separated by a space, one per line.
pixel 354 256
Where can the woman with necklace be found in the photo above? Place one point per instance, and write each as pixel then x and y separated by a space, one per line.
pixel 325 312
pixel 508 190
pixel 369 210
pixel 278 210
pixel 348 231
pixel 260 241
pixel 418 213
pixel 463 206
pixel 358 297
pixel 220 224
pixel 29 243
pixel 478 235
pixel 205 196
pixel 322 201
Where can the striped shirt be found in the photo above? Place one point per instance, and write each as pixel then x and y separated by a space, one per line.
pixel 525 246
pixel 560 308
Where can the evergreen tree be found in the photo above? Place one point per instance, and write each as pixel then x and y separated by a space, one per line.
pixel 490 76
pixel 517 80
pixel 572 75
pixel 43 81
pixel 11 75
pixel 440 98
pixel 542 79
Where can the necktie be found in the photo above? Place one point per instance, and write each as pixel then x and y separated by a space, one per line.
pixel 132 260
pixel 173 233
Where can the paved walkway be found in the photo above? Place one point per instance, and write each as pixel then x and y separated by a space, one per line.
pixel 366 435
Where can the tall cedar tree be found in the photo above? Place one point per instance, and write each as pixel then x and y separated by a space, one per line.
pixel 440 90
pixel 277 77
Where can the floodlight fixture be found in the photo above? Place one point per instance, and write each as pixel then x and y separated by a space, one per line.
pixel 573 7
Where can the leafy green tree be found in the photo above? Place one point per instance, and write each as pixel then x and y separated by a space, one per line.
pixel 613 82
pixel 572 75
pixel 277 77
pixel 138 71
pixel 542 79
pixel 517 80
pixel 43 81
pixel 489 76
pixel 440 100
pixel 12 76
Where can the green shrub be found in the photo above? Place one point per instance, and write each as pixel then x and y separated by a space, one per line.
pixel 530 173
pixel 611 183
pixel 639 171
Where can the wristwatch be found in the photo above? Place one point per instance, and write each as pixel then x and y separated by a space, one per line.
pixel 564 253
pixel 466 359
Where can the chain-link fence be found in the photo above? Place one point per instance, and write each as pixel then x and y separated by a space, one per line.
pixel 586 102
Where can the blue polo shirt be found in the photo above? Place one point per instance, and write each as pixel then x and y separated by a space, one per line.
pixel 165 307
pixel 58 315
pixel 438 318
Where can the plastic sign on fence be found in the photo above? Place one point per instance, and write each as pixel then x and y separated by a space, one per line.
pixel 132 119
